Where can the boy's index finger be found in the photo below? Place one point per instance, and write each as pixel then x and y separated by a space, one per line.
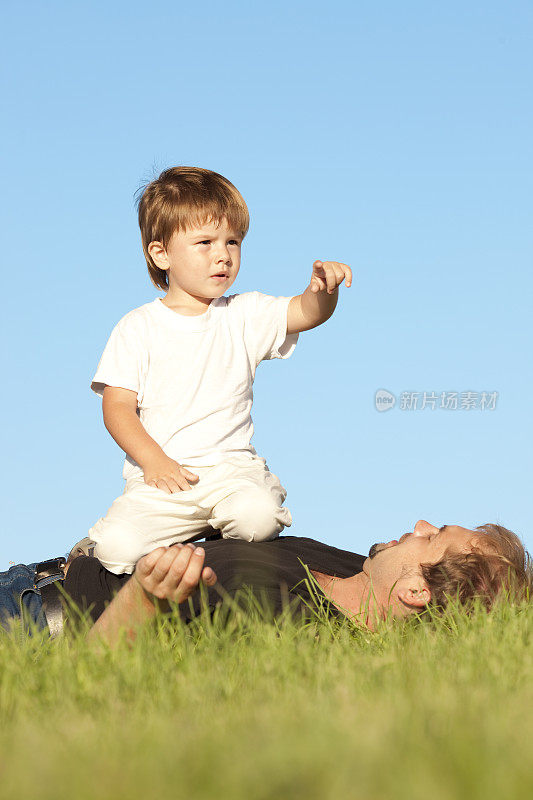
pixel 348 276
pixel 190 475
pixel 347 273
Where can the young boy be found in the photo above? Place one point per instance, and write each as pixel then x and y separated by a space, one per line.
pixel 176 376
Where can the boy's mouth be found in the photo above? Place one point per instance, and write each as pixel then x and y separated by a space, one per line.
pixel 220 276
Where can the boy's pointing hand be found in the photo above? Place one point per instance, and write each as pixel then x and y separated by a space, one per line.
pixel 327 275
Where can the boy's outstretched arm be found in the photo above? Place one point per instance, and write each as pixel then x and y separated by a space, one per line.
pixel 318 302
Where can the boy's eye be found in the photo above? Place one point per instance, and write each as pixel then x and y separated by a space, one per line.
pixel 231 241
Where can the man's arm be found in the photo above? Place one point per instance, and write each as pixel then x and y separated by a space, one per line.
pixel 166 574
pixel 317 303
pixel 120 418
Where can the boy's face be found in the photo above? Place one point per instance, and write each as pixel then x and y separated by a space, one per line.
pixel 202 262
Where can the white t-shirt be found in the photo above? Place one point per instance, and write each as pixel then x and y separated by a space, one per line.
pixel 193 374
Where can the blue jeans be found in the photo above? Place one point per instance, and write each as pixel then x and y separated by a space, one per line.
pixel 20 598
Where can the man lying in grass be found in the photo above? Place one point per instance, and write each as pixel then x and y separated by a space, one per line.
pixel 420 570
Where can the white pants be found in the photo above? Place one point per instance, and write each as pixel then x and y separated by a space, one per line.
pixel 239 497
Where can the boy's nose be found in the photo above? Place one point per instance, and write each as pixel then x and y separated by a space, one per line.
pixel 223 255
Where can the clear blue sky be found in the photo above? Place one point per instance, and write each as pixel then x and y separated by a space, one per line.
pixel 395 137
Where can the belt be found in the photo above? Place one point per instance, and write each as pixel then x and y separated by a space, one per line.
pixel 48 575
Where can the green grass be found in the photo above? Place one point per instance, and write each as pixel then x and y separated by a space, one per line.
pixel 253 710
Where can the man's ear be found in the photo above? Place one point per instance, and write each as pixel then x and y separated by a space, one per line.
pixel 412 590
pixel 158 254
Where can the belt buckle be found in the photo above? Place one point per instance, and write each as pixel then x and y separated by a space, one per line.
pixel 49 571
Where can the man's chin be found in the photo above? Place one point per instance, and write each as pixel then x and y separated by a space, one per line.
pixel 375 549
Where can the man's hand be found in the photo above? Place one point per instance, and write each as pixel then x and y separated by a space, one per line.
pixel 327 275
pixel 173 573
pixel 164 473
pixel 168 574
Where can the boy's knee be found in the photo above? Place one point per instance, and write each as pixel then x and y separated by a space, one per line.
pixel 252 515
pixel 117 546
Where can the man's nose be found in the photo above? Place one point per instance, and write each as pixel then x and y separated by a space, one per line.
pixel 424 528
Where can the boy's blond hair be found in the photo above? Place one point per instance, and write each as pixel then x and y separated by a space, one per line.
pixel 181 198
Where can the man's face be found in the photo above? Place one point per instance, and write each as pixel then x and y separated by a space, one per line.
pixel 394 567
pixel 203 261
